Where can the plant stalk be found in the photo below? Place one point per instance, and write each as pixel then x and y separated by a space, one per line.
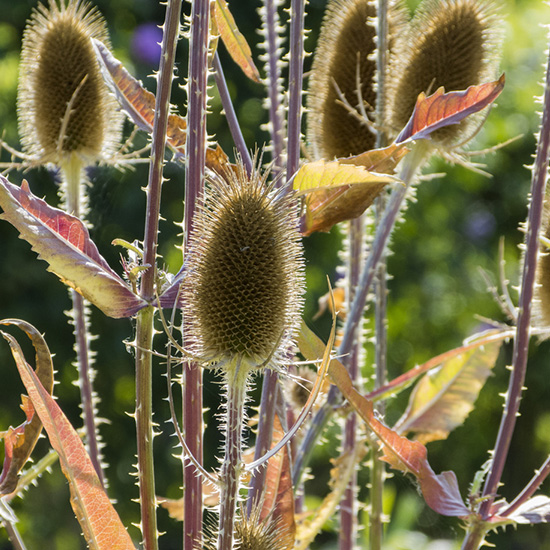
pixel 145 318
pixel 73 176
pixel 197 95
pixel 521 341
pixel 231 470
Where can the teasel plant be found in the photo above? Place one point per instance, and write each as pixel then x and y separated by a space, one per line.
pixel 243 318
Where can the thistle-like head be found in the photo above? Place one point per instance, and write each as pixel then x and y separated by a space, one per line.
pixel 64 106
pixel 449 43
pixel 243 291
pixel 342 85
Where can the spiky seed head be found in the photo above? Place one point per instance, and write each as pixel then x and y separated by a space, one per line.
pixel 243 291
pixel 344 69
pixel 449 43
pixel 64 106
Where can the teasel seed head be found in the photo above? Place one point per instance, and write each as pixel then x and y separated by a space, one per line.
pixel 344 66
pixel 64 106
pixel 243 291
pixel 449 43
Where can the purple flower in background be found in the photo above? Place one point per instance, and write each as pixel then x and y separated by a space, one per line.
pixel 146 44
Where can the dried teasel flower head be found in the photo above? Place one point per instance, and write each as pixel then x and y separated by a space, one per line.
pixel 449 43
pixel 342 85
pixel 64 106
pixel 243 291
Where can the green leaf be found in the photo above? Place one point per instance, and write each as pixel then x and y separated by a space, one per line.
pixel 99 521
pixel 443 399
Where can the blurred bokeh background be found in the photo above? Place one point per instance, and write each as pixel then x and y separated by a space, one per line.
pixel 438 295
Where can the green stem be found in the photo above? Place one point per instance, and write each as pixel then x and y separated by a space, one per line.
pixel 230 473
pixel 145 318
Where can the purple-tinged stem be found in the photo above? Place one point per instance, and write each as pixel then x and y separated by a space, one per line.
pixel 75 202
pixel 230 116
pixel 521 342
pixel 411 163
pixel 348 505
pixel 270 29
pixel 296 77
pixel 265 434
pixel 145 318
pixel 13 535
pixel 197 95
pixel 530 489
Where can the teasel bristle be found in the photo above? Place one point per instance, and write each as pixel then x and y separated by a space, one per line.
pixel 64 106
pixel 243 291
pixel 449 43
pixel 344 71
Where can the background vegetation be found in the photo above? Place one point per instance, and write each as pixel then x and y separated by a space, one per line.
pixel 436 289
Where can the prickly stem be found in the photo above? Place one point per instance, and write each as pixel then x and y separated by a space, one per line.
pixel 194 182
pixel 145 318
pixel 265 433
pixel 270 29
pixel 230 114
pixel 521 342
pixel 378 469
pixel 230 473
pixel 74 201
pixel 296 75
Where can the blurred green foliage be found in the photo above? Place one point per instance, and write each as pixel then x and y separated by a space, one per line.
pixel 437 292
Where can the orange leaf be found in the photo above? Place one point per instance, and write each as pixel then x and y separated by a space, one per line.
pixel 19 442
pixel 139 105
pixel 278 501
pixel 99 521
pixel 233 39
pixel 441 109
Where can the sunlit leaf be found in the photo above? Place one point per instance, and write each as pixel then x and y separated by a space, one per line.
pixel 342 189
pixel 440 491
pixel 139 105
pixel 442 399
pixel 534 510
pixel 278 495
pixel 63 241
pixel 234 41
pixel 19 442
pixel 443 109
pixel 98 519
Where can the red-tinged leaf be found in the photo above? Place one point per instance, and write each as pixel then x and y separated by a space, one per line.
pixel 443 399
pixel 19 442
pixel 440 492
pixel 278 495
pixel 99 521
pixel 63 241
pixel 443 109
pixel 337 191
pixel 139 105
pixel 234 41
